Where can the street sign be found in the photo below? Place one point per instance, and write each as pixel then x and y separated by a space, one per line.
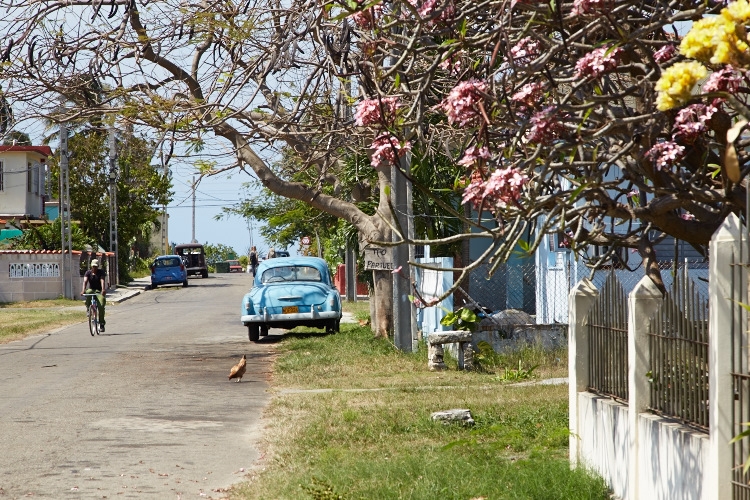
pixel 379 258
pixel 305 240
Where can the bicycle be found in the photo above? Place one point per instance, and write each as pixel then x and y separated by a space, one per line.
pixel 92 311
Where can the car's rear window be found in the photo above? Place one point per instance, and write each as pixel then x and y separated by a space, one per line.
pixel 168 262
pixel 290 273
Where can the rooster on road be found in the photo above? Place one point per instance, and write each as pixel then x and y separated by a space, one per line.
pixel 238 370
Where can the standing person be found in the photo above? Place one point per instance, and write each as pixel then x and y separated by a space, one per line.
pixel 94 281
pixel 253 260
pixel 271 253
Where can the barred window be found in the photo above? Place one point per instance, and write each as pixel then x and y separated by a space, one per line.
pixel 2 176
pixel 28 178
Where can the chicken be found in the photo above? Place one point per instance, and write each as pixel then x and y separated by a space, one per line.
pixel 238 370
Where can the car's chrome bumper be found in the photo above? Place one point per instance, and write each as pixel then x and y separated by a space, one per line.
pixel 271 318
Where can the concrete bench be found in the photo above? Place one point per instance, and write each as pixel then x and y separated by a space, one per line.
pixel 435 351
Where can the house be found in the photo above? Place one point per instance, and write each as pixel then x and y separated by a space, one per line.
pixel 23 182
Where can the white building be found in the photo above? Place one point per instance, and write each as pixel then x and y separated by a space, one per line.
pixel 23 181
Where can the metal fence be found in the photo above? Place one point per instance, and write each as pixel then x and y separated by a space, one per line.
pixel 740 374
pixel 607 324
pixel 678 341
pixel 528 291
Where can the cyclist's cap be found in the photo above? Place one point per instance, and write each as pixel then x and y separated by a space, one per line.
pixel 94 263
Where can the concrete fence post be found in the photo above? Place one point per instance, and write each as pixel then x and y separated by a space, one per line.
pixel 723 250
pixel 643 302
pixel 581 298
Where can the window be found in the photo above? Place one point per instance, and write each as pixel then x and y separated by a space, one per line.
pixel 291 273
pixel 28 177
pixel 2 177
pixel 35 178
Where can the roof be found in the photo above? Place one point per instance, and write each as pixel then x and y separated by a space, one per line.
pixel 75 252
pixel 42 150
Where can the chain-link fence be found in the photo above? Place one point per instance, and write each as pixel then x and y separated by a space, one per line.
pixel 527 302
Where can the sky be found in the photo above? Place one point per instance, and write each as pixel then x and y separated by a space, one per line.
pixel 211 195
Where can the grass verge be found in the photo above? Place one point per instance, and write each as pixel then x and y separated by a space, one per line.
pixel 20 319
pixel 370 436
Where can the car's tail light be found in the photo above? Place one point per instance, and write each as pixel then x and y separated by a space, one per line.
pixel 182 267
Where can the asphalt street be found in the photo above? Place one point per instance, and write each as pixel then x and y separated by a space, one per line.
pixel 144 410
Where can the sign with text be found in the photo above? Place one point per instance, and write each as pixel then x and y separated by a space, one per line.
pixel 379 258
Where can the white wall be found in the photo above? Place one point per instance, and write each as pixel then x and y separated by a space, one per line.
pixel 14 197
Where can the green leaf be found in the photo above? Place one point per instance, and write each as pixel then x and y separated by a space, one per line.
pixel 468 316
pixel 448 319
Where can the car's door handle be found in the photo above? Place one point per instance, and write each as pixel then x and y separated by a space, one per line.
pixel 291 297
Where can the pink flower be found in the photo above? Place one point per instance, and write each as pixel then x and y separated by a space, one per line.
pixel 665 154
pixel 530 95
pixel 598 61
pixel 365 19
pixel 369 111
pixel 473 154
pixel 691 121
pixel 724 80
pixel 687 216
pixel 452 63
pixel 665 53
pixel 474 191
pixel 462 103
pixel 525 50
pixel 632 193
pixel 429 8
pixel 589 6
pixel 545 126
pixel 388 148
pixel 500 190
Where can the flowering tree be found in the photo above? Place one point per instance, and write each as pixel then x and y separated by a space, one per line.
pixel 550 108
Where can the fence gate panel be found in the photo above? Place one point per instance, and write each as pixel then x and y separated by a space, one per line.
pixel 740 378
pixel 678 337
pixel 608 341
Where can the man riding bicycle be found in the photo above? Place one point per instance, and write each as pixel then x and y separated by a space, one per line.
pixel 94 282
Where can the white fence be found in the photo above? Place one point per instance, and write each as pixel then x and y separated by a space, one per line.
pixel 641 455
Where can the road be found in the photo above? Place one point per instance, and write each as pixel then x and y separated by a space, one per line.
pixel 142 411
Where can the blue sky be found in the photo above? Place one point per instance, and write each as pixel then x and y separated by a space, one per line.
pixel 211 195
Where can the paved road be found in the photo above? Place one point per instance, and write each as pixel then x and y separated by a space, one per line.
pixel 143 411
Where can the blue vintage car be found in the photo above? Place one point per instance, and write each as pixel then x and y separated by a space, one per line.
pixel 289 292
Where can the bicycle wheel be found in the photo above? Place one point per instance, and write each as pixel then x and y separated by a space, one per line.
pixel 93 323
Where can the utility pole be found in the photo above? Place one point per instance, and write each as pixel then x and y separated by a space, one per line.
pixel 403 325
pixel 164 216
pixel 113 201
pixel 193 186
pixel 65 234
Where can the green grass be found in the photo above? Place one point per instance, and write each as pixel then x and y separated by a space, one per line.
pixel 379 442
pixel 360 309
pixel 16 323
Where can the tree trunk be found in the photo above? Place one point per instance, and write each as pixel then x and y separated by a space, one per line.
pixel 383 298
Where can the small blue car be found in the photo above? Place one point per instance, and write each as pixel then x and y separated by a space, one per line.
pixel 289 292
pixel 168 270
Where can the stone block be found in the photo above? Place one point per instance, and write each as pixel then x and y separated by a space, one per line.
pixel 458 415
pixel 448 337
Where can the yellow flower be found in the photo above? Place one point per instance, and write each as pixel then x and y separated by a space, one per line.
pixel 676 84
pixel 719 39
pixel 738 11
pixel 713 40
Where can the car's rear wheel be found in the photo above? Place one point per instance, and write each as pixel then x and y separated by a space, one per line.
pixel 204 274
pixel 332 327
pixel 253 332
pixel 153 286
pixel 264 330
pixel 185 283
